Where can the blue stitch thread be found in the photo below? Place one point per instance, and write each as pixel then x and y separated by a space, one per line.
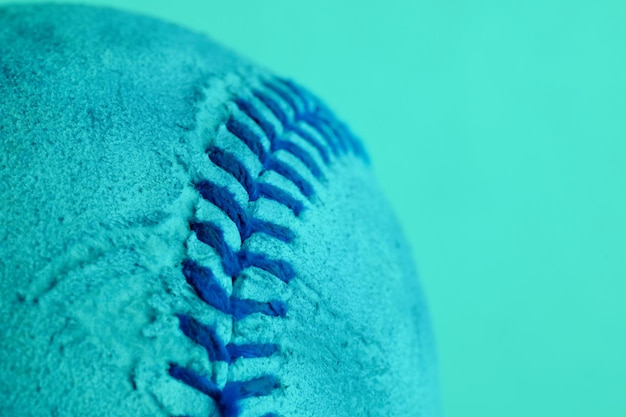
pixel 234 262
pixel 333 126
pixel 253 388
pixel 251 350
pixel 252 141
pixel 313 120
pixel 309 138
pixel 281 269
pixel 205 284
pixel 303 112
pixel 221 197
pixel 339 128
pixel 297 151
pixel 195 380
pixel 344 132
pixel 311 103
pixel 337 139
pixel 292 101
pixel 277 143
pixel 277 194
pixel 247 136
pixel 203 281
pixel 289 126
pixel 229 397
pixel 273 106
pixel 212 235
pixel 252 112
pixel 241 308
pixel 276 231
pixel 229 163
pixel 236 391
pixel 205 336
pixel 317 115
pixel 274 164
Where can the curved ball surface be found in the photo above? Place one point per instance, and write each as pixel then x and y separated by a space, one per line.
pixel 186 234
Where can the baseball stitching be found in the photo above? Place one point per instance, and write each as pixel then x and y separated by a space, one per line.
pixel 298 113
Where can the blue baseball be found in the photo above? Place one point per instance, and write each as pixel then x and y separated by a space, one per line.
pixel 185 234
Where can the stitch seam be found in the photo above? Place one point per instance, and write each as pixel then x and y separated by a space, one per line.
pixel 298 113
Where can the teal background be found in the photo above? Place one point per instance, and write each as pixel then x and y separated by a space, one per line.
pixel 498 130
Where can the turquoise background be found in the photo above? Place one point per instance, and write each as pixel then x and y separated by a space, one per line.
pixel 498 130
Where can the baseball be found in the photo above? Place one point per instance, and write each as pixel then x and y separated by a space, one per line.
pixel 185 233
